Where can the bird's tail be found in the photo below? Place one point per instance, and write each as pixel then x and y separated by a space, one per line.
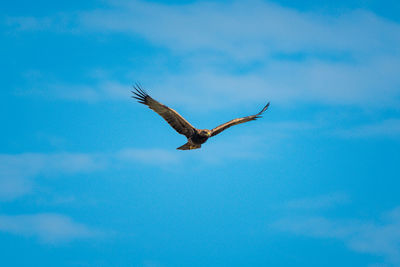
pixel 189 146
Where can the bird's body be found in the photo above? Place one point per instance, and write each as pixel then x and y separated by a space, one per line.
pixel 196 137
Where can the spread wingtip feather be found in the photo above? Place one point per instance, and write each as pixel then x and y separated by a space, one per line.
pixel 264 109
pixel 139 94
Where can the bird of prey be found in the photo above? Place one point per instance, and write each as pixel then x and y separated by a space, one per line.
pixel 195 137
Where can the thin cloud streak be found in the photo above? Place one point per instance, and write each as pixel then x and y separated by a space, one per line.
pixel 289 83
pixel 379 237
pixel 148 156
pixel 47 227
pixel 18 172
pixel 224 27
pixel 318 202
pixel 351 58
pixel 389 128
pixel 104 90
pixel 227 28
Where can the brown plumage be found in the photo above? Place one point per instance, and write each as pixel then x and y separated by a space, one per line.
pixel 195 137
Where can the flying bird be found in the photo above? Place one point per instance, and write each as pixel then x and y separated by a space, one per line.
pixel 196 137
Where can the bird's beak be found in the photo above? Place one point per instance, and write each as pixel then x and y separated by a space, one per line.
pixel 209 134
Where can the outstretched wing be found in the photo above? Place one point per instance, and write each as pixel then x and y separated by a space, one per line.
pixel 228 124
pixel 177 122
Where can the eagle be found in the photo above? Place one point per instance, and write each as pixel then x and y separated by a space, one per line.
pixel 196 137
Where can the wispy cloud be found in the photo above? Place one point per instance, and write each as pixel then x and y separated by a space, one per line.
pixel 47 227
pixel 40 162
pixel 30 23
pixel 12 187
pixel 387 128
pixel 379 237
pixel 244 30
pixel 262 29
pixel 231 148
pixel 101 90
pixel 18 170
pixel 148 156
pixel 350 58
pixel 60 22
pixel 317 202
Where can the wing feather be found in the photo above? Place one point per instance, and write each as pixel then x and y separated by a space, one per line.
pixel 173 118
pixel 230 123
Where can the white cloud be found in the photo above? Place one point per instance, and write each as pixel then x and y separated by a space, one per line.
pixel 149 156
pixel 379 237
pixel 288 83
pixel 244 29
pixel 231 148
pixel 18 170
pixel 48 227
pixel 387 128
pixel 318 202
pixel 350 58
pixel 151 263
pixel 250 29
pixel 30 23
pixel 33 163
pixel 60 22
pixel 103 90
pixel 12 187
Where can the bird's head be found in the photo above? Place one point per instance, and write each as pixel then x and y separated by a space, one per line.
pixel 205 133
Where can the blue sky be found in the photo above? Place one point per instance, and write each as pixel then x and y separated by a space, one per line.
pixel 89 177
